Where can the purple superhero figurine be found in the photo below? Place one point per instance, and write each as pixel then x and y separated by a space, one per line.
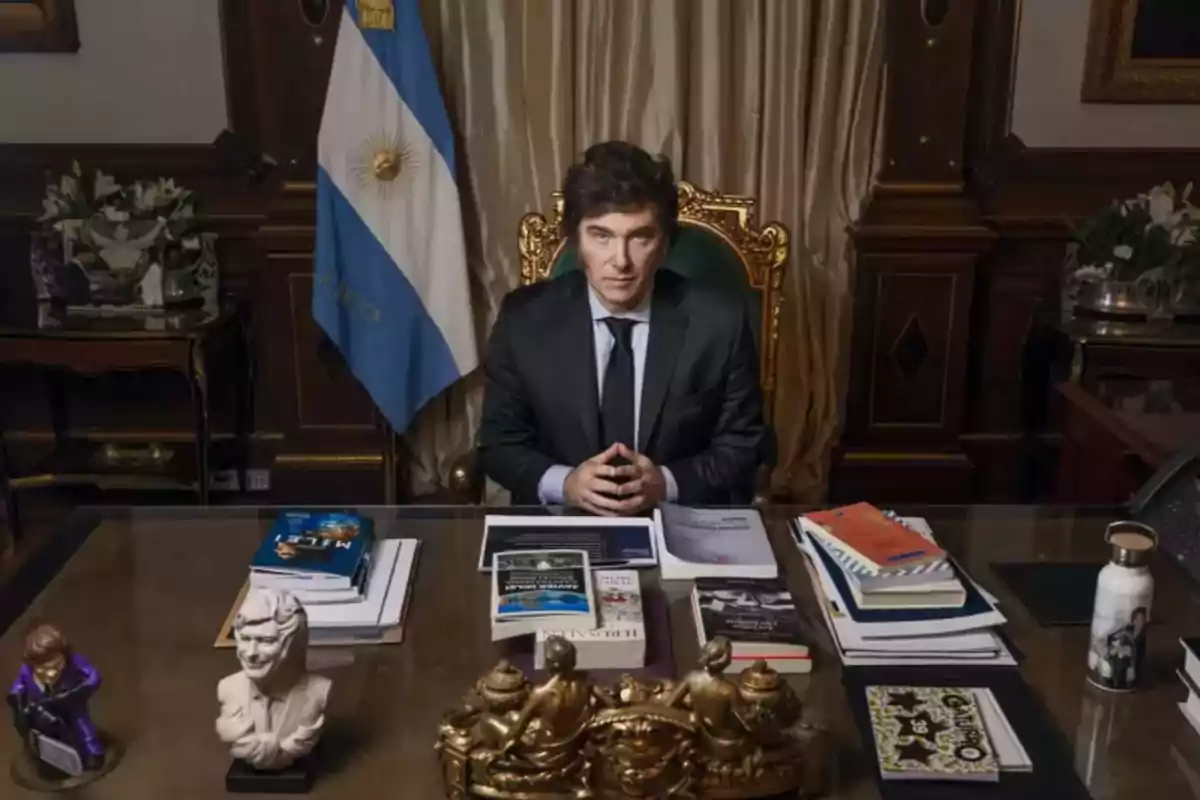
pixel 51 693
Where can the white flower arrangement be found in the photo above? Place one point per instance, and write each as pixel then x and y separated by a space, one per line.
pixel 1152 235
pixel 74 207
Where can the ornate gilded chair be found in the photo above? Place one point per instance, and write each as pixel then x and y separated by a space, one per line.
pixel 719 243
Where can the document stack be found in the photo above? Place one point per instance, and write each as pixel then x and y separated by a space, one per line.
pixel 891 595
pixel 353 587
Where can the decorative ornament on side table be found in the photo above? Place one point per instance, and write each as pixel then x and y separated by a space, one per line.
pixel 101 244
pixel 49 700
pixel 1139 258
pixel 704 737
pixel 273 711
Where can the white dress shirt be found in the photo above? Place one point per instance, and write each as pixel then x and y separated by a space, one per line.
pixel 550 487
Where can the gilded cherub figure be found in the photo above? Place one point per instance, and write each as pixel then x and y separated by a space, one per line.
pixel 713 699
pixel 546 730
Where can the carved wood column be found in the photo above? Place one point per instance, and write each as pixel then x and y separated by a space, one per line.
pixel 916 245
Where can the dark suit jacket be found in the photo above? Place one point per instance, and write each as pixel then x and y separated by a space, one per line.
pixel 701 406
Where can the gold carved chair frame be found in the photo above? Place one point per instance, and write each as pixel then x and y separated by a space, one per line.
pixel 763 252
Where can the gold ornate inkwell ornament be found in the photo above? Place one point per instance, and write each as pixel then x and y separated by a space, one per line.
pixel 706 736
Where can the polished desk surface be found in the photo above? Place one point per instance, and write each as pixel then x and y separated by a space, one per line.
pixel 147 589
pixel 1154 418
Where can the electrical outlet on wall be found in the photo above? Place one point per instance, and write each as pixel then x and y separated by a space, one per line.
pixel 258 480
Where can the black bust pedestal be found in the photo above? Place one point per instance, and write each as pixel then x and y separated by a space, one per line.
pixel 296 779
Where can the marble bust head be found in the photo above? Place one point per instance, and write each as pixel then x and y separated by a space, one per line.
pixel 271 631
pixel 273 710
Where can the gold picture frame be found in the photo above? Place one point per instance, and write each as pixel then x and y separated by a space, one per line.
pixel 45 26
pixel 1140 51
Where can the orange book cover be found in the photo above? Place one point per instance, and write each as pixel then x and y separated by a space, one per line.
pixel 876 538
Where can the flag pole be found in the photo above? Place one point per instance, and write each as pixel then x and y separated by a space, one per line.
pixel 389 464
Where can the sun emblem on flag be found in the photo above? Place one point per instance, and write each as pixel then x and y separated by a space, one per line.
pixel 381 160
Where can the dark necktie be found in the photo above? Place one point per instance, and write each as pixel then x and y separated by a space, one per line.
pixel 616 402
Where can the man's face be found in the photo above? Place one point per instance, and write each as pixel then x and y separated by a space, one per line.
pixel 620 251
pixel 260 648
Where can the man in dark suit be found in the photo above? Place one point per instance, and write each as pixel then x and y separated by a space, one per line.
pixel 619 386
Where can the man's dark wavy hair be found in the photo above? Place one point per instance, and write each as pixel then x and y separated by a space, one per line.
pixel 619 176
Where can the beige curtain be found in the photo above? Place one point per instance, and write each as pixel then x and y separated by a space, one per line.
pixel 777 99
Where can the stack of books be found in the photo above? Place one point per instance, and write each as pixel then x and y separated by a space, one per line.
pixel 757 616
pixel 891 595
pixel 353 587
pixel 619 641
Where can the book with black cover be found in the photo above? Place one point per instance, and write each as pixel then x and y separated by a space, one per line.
pixel 759 618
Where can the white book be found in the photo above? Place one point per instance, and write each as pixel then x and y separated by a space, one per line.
pixel 389 628
pixel 1190 709
pixel 1010 753
pixel 713 543
pixel 912 651
pixel 619 642
pixel 367 612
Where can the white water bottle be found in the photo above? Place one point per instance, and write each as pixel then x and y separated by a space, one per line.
pixel 1124 593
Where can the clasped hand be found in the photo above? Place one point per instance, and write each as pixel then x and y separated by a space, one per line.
pixel 613 489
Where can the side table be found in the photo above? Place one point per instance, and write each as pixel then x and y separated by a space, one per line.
pixel 99 342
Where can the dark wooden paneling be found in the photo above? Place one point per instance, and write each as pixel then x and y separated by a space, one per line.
pixel 925 132
pixel 882 477
pixel 1012 206
pixel 916 347
pixel 336 437
pixel 280 68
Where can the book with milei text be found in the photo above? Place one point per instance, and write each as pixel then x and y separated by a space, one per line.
pixel 313 550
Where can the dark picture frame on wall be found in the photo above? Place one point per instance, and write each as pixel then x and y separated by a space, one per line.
pixel 38 26
pixel 1143 51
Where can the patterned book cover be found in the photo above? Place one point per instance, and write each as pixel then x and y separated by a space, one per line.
pixel 930 733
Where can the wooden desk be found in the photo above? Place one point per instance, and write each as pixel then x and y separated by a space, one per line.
pixel 144 591
pixel 1118 431
pixel 184 341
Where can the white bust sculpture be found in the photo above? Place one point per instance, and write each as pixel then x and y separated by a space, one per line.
pixel 273 710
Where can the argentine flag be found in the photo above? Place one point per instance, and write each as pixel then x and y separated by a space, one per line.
pixel 390 287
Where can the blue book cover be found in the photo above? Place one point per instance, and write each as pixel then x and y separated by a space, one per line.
pixel 976 602
pixel 316 544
